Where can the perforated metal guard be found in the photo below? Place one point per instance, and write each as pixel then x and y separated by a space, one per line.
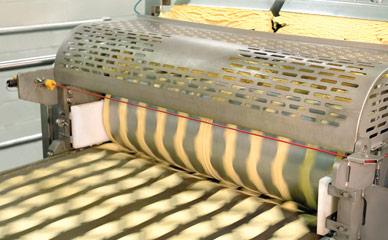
pixel 303 88
pixel 375 118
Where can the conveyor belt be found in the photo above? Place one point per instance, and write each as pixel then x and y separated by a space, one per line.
pixel 103 194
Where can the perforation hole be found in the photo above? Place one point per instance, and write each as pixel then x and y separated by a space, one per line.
pixel 358 73
pixel 322 95
pixel 264 84
pixel 244 74
pixel 253 68
pixel 246 81
pixel 279 80
pixel 301 91
pixel 312 102
pixel 331 81
pixel 289 74
pixel 317 86
pixel 278 103
pixel 293 98
pixel 282 88
pixel 346 84
pixel 261 76
pixel 229 78
pixel 343 99
pixel 346 77
pixel 309 77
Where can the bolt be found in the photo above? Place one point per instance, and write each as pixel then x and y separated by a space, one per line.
pixel 345 194
pixel 39 81
pixel 70 93
pixel 61 122
pixel 340 228
pixel 12 83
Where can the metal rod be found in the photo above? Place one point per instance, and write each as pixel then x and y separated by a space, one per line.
pixel 27 62
pixel 49 26
pixel 19 141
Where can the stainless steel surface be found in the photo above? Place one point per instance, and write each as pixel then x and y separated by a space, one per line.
pixel 365 9
pixel 48 26
pixel 376 213
pixel 30 90
pixel 19 141
pixel 307 89
pixel 48 114
pixel 374 124
pixel 27 62
pixel 350 179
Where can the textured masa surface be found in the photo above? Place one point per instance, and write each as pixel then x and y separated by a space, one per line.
pixel 103 194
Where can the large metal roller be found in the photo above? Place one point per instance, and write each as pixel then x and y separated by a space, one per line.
pixel 327 94
pixel 257 164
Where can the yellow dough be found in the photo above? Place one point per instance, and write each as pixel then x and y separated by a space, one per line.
pixel 339 28
pixel 291 231
pixel 111 200
pixel 229 17
pixel 331 27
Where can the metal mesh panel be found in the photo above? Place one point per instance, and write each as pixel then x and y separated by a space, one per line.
pixel 287 84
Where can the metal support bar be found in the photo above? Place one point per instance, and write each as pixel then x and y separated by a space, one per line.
pixel 19 141
pixel 276 7
pixel 27 62
pixel 49 26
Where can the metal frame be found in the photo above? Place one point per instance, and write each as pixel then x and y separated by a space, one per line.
pixel 21 140
pixel 359 185
pixel 49 26
pixel 55 109
pixel 27 62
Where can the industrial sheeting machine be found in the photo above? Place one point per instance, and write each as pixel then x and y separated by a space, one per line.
pixel 218 133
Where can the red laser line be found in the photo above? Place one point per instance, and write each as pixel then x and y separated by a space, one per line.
pixel 201 121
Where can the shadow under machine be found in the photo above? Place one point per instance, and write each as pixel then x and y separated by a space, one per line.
pixel 278 115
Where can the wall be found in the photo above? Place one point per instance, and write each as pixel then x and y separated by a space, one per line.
pixel 19 118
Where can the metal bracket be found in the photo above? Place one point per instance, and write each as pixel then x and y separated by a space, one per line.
pixel 276 7
pixel 339 193
pixel 29 88
pixel 332 224
pixel 57 147
pixel 350 179
pixel 55 108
